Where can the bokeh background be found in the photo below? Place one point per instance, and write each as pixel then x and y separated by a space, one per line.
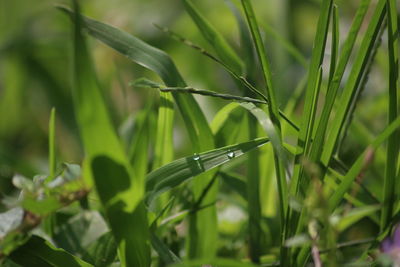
pixel 35 70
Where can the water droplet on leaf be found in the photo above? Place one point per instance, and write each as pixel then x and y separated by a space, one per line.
pixel 196 157
pixel 231 155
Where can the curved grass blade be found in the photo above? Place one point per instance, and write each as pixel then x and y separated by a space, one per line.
pixel 178 171
pixel 214 38
pixel 121 197
pixel 38 252
pixel 393 145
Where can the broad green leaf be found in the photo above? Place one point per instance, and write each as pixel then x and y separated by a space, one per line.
pixel 178 171
pixel 214 38
pixel 38 252
pixel 120 196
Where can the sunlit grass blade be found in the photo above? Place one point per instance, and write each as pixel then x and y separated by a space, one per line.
pixel 214 38
pixel 121 197
pixel 204 241
pixel 39 252
pixel 163 148
pixel 393 144
pixel 178 171
pixel 355 78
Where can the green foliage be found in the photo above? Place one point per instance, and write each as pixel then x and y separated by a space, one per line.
pixel 288 156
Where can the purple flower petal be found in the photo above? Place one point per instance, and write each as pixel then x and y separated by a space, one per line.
pixel 386 245
pixel 396 237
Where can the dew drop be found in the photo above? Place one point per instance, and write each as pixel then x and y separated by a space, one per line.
pixel 196 157
pixel 231 155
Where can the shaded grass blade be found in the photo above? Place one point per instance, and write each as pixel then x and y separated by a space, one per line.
pixel 214 38
pixel 393 144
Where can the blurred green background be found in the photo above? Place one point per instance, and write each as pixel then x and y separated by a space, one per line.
pixel 35 68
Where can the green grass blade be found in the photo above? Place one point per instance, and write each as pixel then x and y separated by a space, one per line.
pixel 253 196
pixel 178 171
pixel 262 56
pixel 121 197
pixel 273 110
pixel 334 85
pixel 246 44
pixel 334 42
pixel 214 38
pixel 362 161
pixel 312 91
pixel 163 151
pixel 38 252
pixel 355 78
pixel 393 145
pixel 52 146
pixel 356 215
